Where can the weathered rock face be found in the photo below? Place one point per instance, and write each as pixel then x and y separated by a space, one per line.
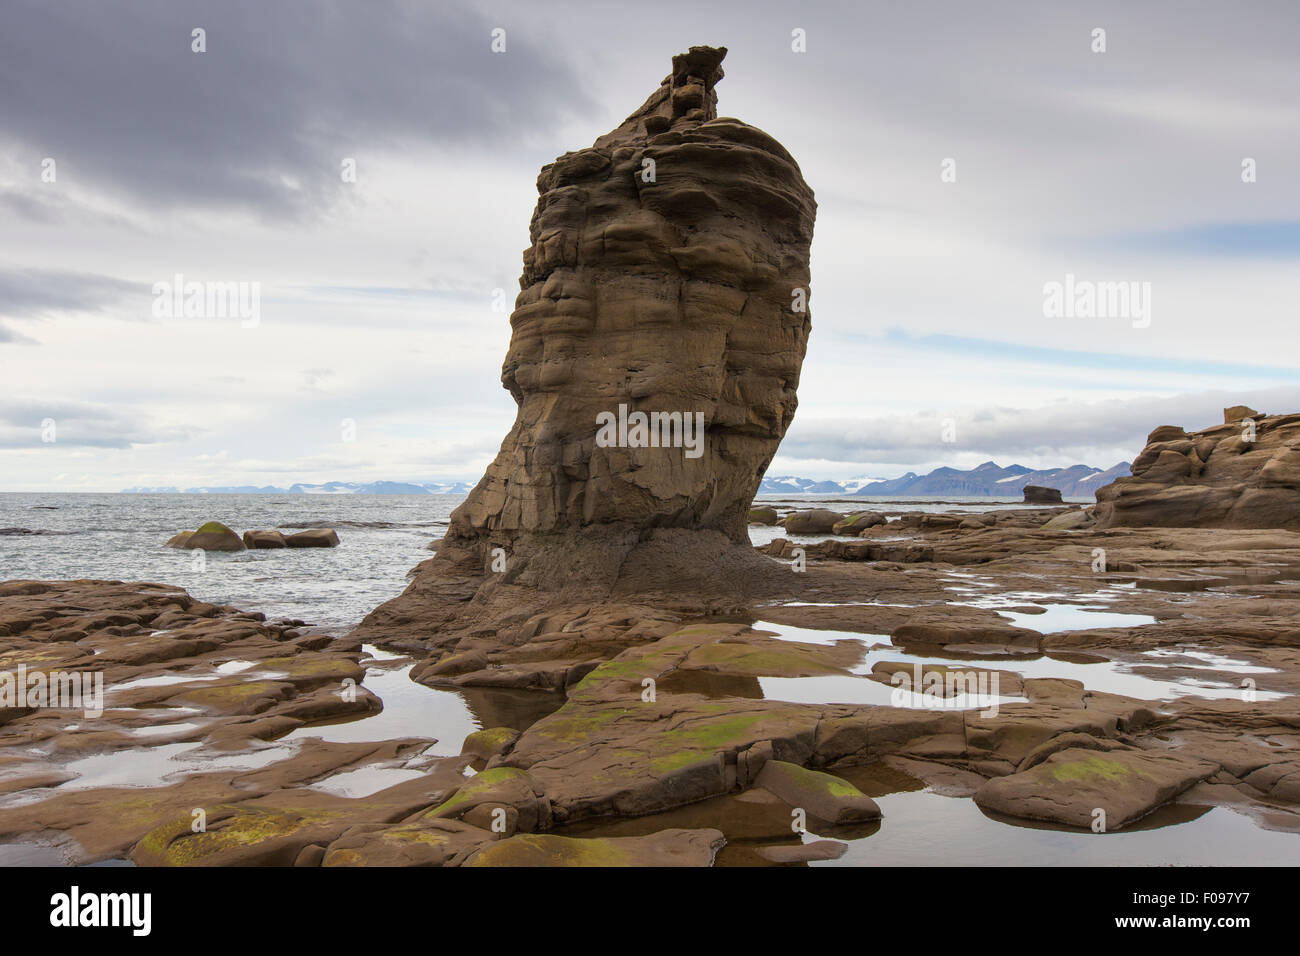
pixel 661 278
pixel 1039 495
pixel 656 349
pixel 1244 473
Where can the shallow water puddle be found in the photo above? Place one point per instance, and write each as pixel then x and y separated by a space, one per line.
pixel 163 680
pixel 922 828
pixel 808 635
pixel 410 710
pixel 153 767
pixel 162 730
pixel 1216 661
pixel 1073 617
pixel 235 667
pixel 1113 677
pixel 365 781
pixel 851 689
pixel 443 714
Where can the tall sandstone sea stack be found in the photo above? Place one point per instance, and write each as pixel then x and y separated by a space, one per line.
pixel 667 275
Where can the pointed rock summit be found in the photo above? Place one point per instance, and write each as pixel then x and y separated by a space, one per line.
pixel 655 354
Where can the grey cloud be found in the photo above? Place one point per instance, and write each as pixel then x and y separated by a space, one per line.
pixel 81 424
pixel 33 293
pixel 1065 429
pixel 284 91
pixel 9 337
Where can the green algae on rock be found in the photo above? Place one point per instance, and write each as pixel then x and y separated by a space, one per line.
pixel 665 848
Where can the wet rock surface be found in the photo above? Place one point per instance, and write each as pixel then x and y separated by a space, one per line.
pixel 1166 676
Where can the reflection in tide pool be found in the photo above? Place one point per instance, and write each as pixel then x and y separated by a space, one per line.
pixel 923 828
pixel 447 715
pixel 1099 674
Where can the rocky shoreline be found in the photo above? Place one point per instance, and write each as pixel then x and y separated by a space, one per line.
pixel 621 676
pixel 1216 608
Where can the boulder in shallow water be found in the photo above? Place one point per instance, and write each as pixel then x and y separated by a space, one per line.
pixel 858 522
pixel 1071 786
pixel 259 540
pixel 213 536
pixel 812 521
pixel 1038 495
pixel 315 538
pixel 823 795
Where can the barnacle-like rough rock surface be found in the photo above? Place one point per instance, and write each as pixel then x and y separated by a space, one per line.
pixel 1244 473
pixel 667 275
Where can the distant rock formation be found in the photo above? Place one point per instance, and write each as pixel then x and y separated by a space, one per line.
pixel 663 303
pixel 1244 473
pixel 1038 495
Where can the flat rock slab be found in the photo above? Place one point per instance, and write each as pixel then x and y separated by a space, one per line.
pixel 1071 785
pixel 804 852
pixel 665 848
pixel 823 795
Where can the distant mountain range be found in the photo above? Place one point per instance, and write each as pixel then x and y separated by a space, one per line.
pixel 789 485
pixel 328 488
pixel 989 479
pixel 1077 481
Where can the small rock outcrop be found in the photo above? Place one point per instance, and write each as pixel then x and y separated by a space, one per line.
pixel 655 354
pixel 812 521
pixel 1244 473
pixel 313 538
pixel 213 536
pixel 1038 495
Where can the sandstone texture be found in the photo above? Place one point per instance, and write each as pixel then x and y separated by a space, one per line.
pixel 1244 473
pixel 667 276
pixel 1038 495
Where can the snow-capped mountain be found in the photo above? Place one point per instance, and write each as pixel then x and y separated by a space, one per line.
pixel 990 478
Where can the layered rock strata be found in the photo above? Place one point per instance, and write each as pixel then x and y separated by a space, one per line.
pixel 655 354
pixel 1244 473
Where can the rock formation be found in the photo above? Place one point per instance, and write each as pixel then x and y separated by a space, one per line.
pixel 1244 473
pixel 1039 495
pixel 655 352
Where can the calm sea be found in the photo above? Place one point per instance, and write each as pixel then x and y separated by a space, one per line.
pixel 122 537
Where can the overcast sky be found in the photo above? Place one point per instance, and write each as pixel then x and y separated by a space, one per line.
pixel 377 295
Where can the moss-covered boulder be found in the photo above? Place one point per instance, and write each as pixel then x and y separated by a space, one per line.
pixel 665 848
pixel 239 836
pixel 858 522
pixel 213 536
pixel 428 842
pixel 822 795
pixel 490 742
pixel 812 521
pixel 762 516
pixel 1089 788
pixel 499 788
